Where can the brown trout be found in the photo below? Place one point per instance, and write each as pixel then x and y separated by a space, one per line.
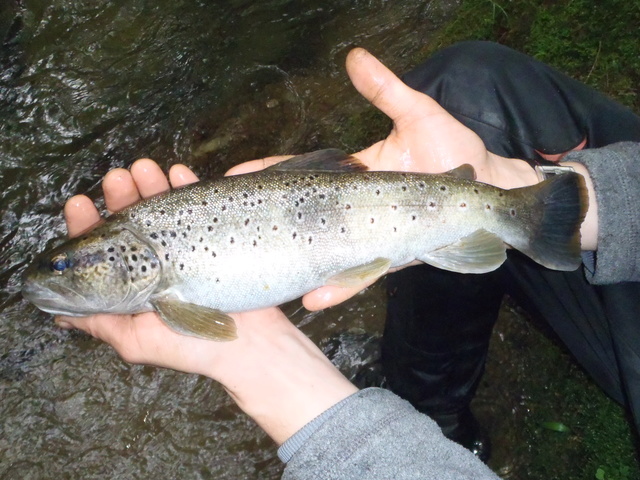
pixel 260 239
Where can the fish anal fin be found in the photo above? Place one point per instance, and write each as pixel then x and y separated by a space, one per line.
pixel 195 320
pixel 464 171
pixel 355 276
pixel 331 160
pixel 480 252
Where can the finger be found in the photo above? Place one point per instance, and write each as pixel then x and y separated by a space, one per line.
pixel 119 189
pixel 329 296
pixel 180 175
pixel 255 165
pixel 385 90
pixel 80 213
pixel 149 177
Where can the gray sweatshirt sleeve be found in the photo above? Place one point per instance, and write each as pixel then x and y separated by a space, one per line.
pixel 374 434
pixel 615 172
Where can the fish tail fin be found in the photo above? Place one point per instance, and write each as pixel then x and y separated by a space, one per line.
pixel 560 205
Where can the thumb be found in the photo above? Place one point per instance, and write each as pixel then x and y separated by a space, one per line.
pixel 385 90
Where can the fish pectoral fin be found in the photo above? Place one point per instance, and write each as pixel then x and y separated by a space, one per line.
pixel 330 159
pixel 465 171
pixel 196 320
pixel 355 276
pixel 480 252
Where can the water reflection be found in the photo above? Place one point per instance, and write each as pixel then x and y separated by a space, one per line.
pixel 89 85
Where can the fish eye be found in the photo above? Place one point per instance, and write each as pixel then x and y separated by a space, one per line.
pixel 59 263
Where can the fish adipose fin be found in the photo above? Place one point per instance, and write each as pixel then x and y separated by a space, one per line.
pixel 329 160
pixel 355 276
pixel 554 241
pixel 195 320
pixel 480 252
pixel 465 171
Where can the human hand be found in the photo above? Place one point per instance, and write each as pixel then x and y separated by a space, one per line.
pixel 425 138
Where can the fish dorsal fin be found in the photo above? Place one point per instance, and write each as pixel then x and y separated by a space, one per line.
pixel 195 320
pixel 331 159
pixel 465 171
pixel 480 252
pixel 355 276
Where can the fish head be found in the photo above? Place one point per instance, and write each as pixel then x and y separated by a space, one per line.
pixel 109 270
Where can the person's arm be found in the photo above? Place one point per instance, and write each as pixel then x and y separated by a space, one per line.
pixel 374 434
pixel 614 172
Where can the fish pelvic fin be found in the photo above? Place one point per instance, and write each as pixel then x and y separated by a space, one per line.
pixel 328 160
pixel 480 252
pixel 356 276
pixel 195 320
pixel 554 241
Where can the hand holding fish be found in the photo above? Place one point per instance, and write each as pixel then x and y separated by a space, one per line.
pixel 323 222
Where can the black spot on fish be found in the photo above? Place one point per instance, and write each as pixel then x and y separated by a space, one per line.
pixel 513 212
pixel 377 192
pixel 421 184
pixel 343 230
pixel 131 268
pixel 163 232
pixel 246 222
pixel 463 205
pixel 200 239
pixel 112 259
pixel 110 249
pixel 148 223
pixel 259 201
pixel 245 195
pixel 259 187
pixel 443 188
pixel 395 229
pixel 189 227
pixel 134 249
pixel 166 256
pixel 275 227
pixel 432 204
pixel 372 220
pixel 404 188
pixel 204 203
pixel 184 234
pixel 310 240
pixel 154 264
pixel 294 235
pixel 143 268
pixel 394 207
pixel 255 243
pixel 299 215
pixel 413 217
pixel 488 207
pixel 123 248
pixel 190 211
pixel 232 240
pixel 173 234
pixel 164 244
pixel 206 249
pixel 215 219
pixel 231 199
pixel 215 190
pixel 213 254
pixel 193 248
pixel 347 207
pixel 162 212
pixel 210 228
pixel 182 266
pixel 322 196
pixel 224 207
pixel 323 221
pixel 134 258
pixel 476 191
pixel 179 222
pixel 153 235
pixel 500 194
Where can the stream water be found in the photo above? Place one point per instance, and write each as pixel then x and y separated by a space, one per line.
pixel 90 85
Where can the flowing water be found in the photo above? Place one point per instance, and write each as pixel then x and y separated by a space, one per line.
pixel 90 85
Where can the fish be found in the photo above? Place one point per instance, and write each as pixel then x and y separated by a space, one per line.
pixel 238 243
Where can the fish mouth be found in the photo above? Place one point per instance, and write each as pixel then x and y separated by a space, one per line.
pixel 51 301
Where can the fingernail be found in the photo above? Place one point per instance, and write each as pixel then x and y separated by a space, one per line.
pixel 63 324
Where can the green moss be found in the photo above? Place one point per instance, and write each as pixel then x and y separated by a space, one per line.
pixel 595 41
